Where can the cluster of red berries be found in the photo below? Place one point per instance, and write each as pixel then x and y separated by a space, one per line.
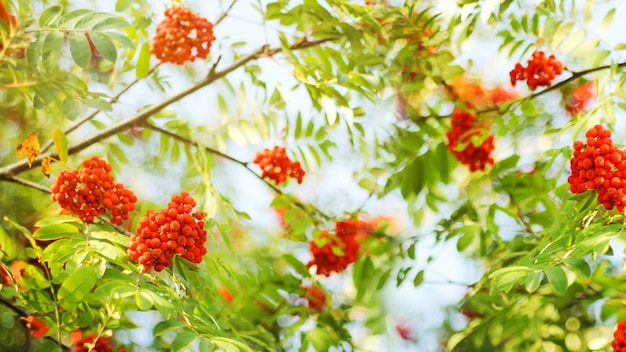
pixel 91 191
pixel 619 342
pixel 540 71
pixel 276 166
pixel 91 342
pixel 173 230
pixel 463 129
pixel 599 165
pixel 577 101
pixel 339 251
pixel 182 36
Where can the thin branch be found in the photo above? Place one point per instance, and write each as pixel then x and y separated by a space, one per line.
pixel 225 13
pixel 191 142
pixel 24 313
pixel 237 161
pixel 114 99
pixel 575 76
pixel 141 117
pixel 26 183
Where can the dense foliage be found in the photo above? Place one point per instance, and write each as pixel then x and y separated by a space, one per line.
pixel 164 168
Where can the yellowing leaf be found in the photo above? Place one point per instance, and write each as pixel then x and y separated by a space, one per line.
pixel 30 146
pixel 45 166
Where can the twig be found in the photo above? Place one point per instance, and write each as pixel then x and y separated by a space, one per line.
pixel 191 142
pixel 223 15
pixel 26 183
pixel 575 76
pixel 141 117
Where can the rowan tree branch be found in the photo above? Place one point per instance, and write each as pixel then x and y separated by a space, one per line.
pixel 114 99
pixel 223 15
pixel 26 183
pixel 142 116
pixel 502 108
pixel 244 164
pixel 575 76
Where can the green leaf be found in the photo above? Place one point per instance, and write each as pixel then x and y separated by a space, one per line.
pixel 533 280
pixel 143 61
pixel 100 104
pixel 56 219
pixel 166 326
pixel 52 49
pixel 557 279
pixel 606 22
pixel 505 164
pixel 298 132
pixel 72 17
pixel 105 46
pixel 109 23
pixel 118 152
pixel 79 48
pixel 60 142
pixel 330 109
pixel 47 346
pixel 113 237
pixel 579 266
pixel 50 15
pixel 573 41
pixel 383 279
pixel 510 269
pixel 106 250
pixel 507 280
pixel 228 345
pixel 235 134
pixel 75 288
pixel 33 52
pixel 91 18
pixel 70 108
pixel 487 9
pixel 120 38
pixel 184 340
pixel 296 264
pixel 56 231
pixel 122 5
pixel 419 278
pixel 249 131
pixel 528 108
